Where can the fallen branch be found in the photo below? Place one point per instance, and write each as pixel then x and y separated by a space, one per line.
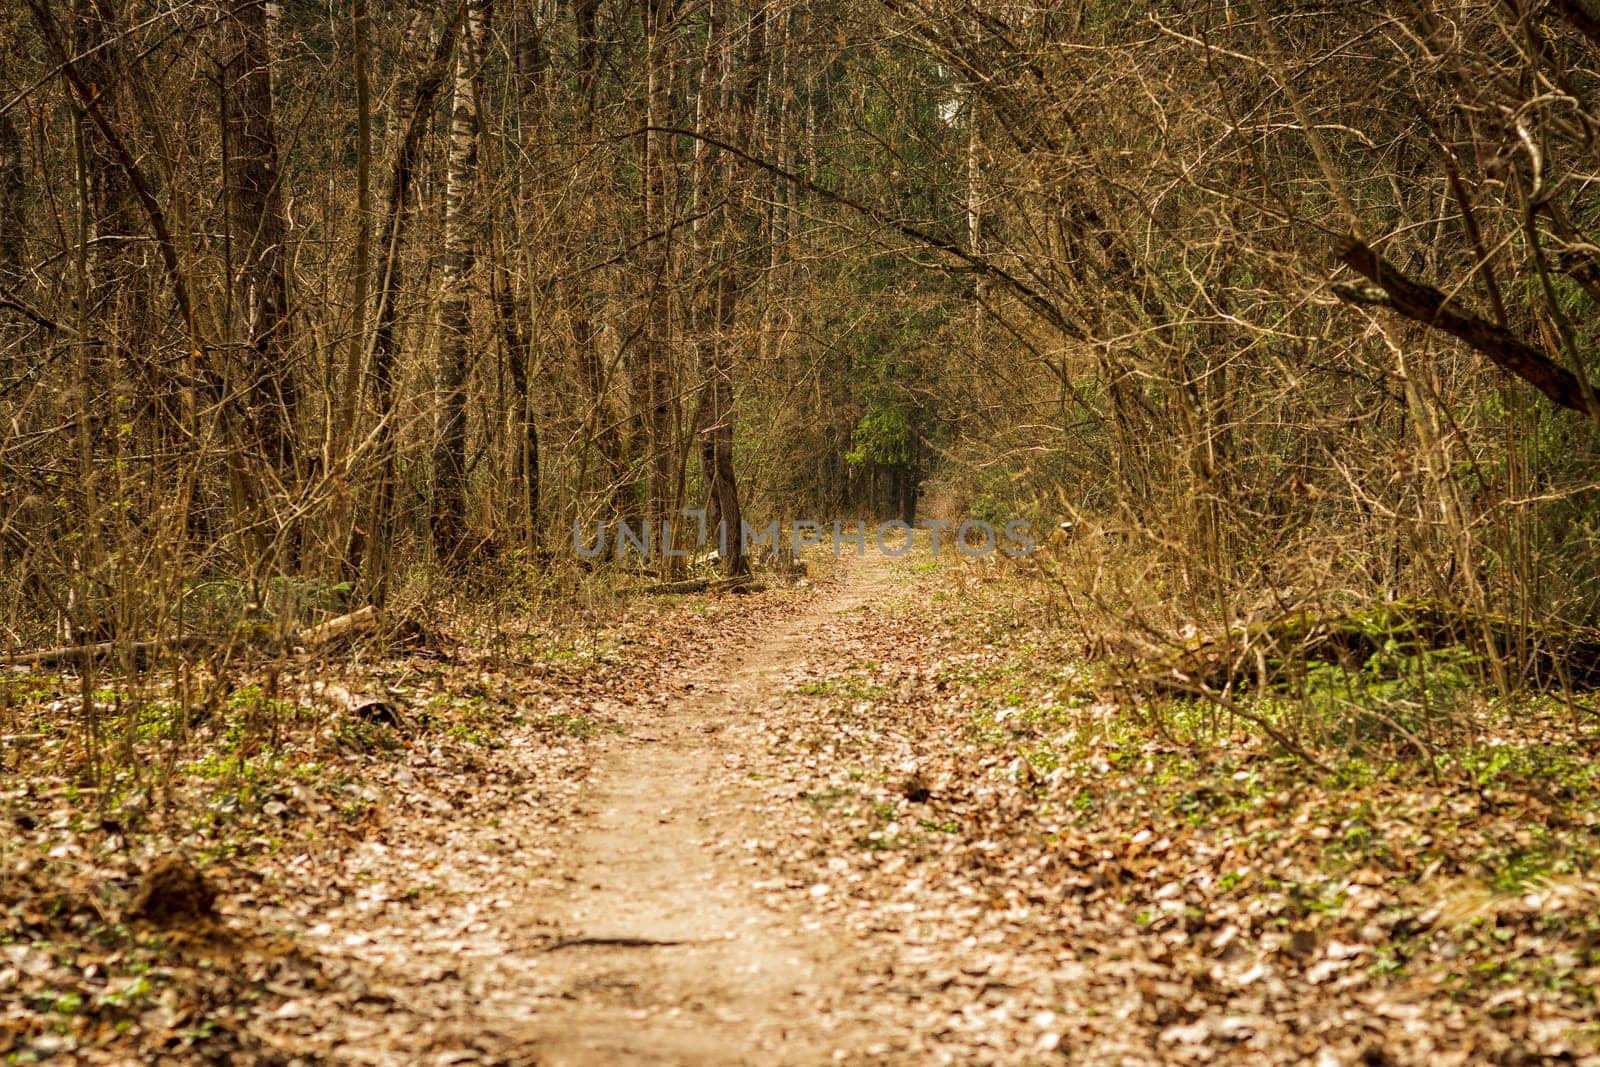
pixel 362 621
pixel 1195 688
pixel 371 708
pixel 314 637
pixel 689 585
pixel 78 655
pixel 742 584
pixel 622 942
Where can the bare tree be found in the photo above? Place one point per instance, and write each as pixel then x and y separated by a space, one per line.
pixel 654 383
pixel 460 255
pixel 258 229
pixel 371 541
pixel 731 79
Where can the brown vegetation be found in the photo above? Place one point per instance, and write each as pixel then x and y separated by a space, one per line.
pixel 325 330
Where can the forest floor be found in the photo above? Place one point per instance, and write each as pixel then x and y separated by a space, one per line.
pixel 889 818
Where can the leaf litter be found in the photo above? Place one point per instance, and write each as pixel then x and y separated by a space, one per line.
pixel 1001 860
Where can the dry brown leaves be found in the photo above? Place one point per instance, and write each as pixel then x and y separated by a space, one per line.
pixel 1040 875
pixel 1027 872
pixel 357 863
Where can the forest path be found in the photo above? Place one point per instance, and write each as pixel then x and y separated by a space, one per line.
pixel 888 821
pixel 608 900
pixel 667 955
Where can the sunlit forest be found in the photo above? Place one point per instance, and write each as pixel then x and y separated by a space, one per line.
pixel 1105 542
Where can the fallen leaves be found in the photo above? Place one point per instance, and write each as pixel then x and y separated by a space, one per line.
pixel 1157 902
pixel 1014 868
pixel 362 872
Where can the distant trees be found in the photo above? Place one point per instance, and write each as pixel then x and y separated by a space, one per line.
pixel 335 296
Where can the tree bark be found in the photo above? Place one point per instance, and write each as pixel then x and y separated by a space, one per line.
pixel 460 255
pixel 1423 303
pixel 258 228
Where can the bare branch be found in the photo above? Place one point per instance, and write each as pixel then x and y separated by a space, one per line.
pixel 1423 303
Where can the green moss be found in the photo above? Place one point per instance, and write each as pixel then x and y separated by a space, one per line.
pixel 1384 642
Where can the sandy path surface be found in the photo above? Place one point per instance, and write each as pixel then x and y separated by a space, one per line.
pixel 667 956
pixel 603 913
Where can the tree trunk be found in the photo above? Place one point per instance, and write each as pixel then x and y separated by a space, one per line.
pixel 12 193
pixel 372 547
pixel 258 228
pixel 460 254
pixel 341 435
pixel 530 63
pixel 654 384
pixel 728 250
pixel 975 211
pixel 705 232
pixel 114 212
pixel 583 18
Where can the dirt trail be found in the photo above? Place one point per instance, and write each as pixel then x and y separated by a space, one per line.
pixel 881 822
pixel 601 904
pixel 667 956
